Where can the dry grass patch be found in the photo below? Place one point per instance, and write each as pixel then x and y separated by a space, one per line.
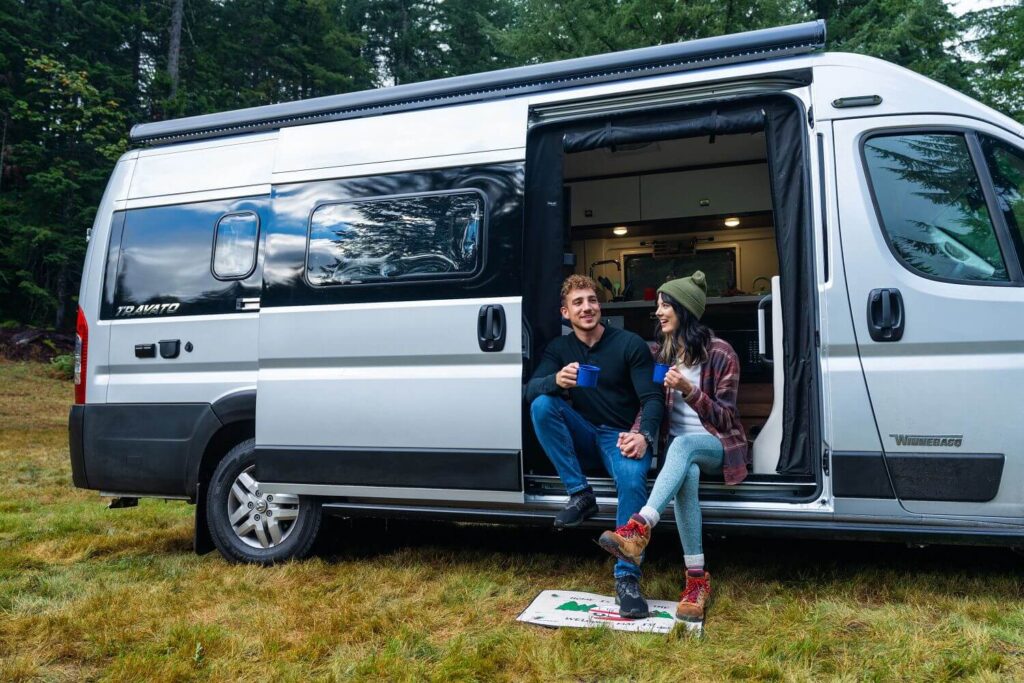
pixel 88 593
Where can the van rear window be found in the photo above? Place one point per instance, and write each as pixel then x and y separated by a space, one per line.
pixel 932 207
pixel 403 238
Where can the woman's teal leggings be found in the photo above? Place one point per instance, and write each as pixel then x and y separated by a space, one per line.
pixel 688 455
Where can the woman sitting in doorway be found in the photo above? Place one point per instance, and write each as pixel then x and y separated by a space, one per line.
pixel 701 432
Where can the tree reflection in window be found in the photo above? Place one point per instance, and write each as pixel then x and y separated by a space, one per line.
pixel 1006 164
pixel 932 206
pixel 394 239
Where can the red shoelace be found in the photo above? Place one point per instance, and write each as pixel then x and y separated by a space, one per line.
pixel 630 529
pixel 692 592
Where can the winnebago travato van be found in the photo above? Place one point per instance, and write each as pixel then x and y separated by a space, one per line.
pixel 332 305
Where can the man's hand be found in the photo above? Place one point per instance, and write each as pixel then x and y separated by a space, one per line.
pixel 566 377
pixel 632 445
pixel 675 380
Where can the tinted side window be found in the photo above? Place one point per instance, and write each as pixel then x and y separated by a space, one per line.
pixel 1006 164
pixel 234 251
pixel 162 262
pixel 404 238
pixel 932 207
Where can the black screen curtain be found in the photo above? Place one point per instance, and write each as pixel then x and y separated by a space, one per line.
pixel 782 120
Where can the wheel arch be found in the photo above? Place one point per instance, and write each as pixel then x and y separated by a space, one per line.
pixel 237 414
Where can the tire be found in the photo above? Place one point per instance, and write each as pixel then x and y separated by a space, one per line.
pixel 266 528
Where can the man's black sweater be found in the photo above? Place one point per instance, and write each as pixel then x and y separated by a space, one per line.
pixel 624 384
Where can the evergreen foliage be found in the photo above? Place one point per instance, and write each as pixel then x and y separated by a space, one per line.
pixel 76 74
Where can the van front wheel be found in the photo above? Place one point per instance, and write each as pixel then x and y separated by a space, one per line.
pixel 248 524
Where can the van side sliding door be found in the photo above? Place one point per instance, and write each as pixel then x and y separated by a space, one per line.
pixel 391 337
pixel 930 210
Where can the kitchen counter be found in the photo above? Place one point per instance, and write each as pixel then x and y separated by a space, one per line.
pixel 712 300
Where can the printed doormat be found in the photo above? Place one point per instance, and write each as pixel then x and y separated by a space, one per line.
pixel 571 609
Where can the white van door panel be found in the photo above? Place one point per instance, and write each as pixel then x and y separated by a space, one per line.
pixel 389 375
pixel 946 395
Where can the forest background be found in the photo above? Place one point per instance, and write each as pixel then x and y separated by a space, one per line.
pixel 75 75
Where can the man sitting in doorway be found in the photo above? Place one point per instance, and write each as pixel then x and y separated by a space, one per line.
pixel 595 428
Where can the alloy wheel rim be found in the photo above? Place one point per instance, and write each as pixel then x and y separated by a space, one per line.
pixel 260 520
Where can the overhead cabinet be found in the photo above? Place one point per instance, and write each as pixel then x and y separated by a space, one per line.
pixel 707 192
pixel 598 202
pixel 679 194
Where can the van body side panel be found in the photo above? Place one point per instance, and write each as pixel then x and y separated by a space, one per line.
pixel 165 291
pixel 168 338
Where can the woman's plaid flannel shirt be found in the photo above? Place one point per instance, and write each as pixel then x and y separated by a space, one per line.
pixel 714 401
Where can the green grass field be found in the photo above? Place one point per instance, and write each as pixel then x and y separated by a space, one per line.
pixel 88 593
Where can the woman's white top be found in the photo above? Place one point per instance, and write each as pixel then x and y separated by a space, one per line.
pixel 684 419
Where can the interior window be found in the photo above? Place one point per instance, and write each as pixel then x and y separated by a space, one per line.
pixel 1006 164
pixel 234 253
pixel 391 239
pixel 932 207
pixel 646 272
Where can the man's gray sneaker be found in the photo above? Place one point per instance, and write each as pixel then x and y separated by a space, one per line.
pixel 582 505
pixel 632 603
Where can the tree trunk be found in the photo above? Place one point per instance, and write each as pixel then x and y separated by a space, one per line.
pixel 62 304
pixel 174 51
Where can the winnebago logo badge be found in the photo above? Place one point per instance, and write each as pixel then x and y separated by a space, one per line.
pixel 948 440
pixel 146 309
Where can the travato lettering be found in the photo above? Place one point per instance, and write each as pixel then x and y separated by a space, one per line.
pixel 941 440
pixel 147 309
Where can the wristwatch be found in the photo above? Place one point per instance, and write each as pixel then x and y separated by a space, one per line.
pixel 647 437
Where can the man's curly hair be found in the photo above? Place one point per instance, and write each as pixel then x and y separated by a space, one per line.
pixel 577 282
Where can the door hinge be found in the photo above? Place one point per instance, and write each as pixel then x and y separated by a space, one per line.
pixel 824 461
pixel 817 339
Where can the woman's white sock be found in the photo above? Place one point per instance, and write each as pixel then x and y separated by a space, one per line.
pixel 650 514
pixel 694 562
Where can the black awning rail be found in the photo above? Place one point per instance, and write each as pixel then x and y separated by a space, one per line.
pixel 764 44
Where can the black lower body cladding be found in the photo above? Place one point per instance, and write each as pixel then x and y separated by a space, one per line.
pixel 138 448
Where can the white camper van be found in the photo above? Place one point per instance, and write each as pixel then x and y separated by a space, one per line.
pixel 333 305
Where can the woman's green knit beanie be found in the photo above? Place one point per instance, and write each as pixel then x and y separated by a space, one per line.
pixel 690 292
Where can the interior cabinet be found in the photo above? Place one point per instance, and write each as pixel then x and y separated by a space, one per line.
pixel 706 192
pixel 599 202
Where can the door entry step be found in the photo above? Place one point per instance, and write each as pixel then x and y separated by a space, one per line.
pixel 755 486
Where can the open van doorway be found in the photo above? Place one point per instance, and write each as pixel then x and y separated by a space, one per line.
pixel 635 199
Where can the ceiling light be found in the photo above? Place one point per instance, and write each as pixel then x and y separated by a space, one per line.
pixel 620 231
pixel 732 222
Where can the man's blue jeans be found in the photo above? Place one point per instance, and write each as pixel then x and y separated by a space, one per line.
pixel 572 442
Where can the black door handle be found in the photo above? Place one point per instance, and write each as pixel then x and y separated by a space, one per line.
pixel 490 327
pixel 886 317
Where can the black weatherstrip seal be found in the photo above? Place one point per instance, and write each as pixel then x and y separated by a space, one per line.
pixel 494 470
pixel 751 46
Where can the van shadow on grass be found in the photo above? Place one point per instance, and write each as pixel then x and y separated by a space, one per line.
pixel 873 571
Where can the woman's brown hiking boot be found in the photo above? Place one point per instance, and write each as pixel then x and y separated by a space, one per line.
pixel 695 597
pixel 628 541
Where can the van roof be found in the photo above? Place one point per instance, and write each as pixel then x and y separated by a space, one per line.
pixel 751 46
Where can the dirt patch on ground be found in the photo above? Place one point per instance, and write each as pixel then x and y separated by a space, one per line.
pixel 33 344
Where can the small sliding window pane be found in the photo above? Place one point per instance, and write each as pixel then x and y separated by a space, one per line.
pixel 406 238
pixel 932 206
pixel 234 256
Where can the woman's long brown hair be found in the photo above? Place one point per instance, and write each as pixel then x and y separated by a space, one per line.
pixel 690 340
